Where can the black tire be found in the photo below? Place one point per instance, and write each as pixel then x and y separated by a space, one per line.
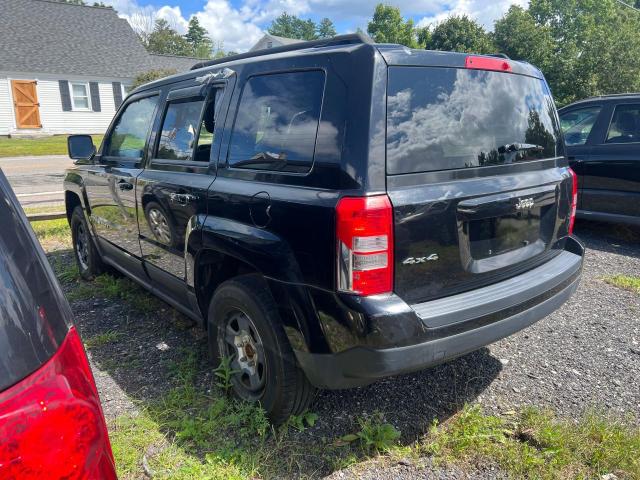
pixel 87 256
pixel 283 388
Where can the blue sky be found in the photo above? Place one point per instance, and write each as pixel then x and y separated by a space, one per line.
pixel 238 24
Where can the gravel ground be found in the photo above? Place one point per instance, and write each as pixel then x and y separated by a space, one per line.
pixel 585 355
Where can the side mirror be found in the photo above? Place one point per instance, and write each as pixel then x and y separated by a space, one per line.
pixel 81 147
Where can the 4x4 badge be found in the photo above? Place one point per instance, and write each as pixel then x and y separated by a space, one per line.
pixel 413 260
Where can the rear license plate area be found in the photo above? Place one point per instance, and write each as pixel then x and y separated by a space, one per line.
pixel 489 237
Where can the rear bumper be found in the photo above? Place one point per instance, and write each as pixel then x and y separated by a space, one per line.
pixel 470 320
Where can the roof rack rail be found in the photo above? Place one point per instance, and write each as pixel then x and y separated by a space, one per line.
pixel 349 39
pixel 499 55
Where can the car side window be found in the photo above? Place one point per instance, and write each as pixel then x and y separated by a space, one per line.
pixel 180 127
pixel 625 125
pixel 577 124
pixel 277 122
pixel 129 135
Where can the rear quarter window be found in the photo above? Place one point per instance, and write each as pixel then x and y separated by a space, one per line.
pixel 452 118
pixel 277 122
pixel 625 125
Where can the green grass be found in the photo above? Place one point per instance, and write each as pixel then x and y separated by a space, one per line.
pixel 192 434
pixel 51 228
pixel 536 444
pixel 189 434
pixel 116 288
pixel 102 339
pixel 626 282
pixel 374 435
pixel 53 234
pixel 44 209
pixel 53 145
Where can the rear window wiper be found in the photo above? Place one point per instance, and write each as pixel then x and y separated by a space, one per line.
pixel 518 147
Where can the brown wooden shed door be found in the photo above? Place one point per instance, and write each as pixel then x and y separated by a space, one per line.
pixel 25 103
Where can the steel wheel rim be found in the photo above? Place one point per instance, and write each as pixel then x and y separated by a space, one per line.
pixel 82 247
pixel 242 344
pixel 159 225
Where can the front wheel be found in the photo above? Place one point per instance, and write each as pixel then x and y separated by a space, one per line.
pixel 245 327
pixel 87 256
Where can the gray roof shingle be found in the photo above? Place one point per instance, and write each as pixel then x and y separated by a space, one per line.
pixel 43 36
pixel 168 62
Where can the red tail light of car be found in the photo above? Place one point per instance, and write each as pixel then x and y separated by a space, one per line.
pixel 364 227
pixel 51 423
pixel 574 200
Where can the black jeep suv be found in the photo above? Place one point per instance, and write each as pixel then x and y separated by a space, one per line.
pixel 335 211
pixel 602 136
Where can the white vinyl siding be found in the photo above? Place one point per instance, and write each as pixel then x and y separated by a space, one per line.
pixel 54 120
pixel 80 99
pixel 6 109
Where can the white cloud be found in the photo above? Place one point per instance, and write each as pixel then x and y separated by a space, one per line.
pixel 237 28
pixel 484 12
pixel 240 27
pixel 173 15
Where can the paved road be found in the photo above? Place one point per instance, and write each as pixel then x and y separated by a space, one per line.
pixel 37 180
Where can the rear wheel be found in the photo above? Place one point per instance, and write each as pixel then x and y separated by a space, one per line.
pixel 87 256
pixel 246 328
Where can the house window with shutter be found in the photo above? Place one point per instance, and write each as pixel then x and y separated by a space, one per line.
pixel 80 99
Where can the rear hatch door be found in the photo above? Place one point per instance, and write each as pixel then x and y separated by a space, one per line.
pixel 477 177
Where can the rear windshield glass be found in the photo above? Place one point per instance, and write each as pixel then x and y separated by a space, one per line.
pixel 449 118
pixel 33 314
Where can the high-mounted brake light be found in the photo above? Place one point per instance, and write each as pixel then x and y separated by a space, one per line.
pixel 51 423
pixel 574 200
pixel 487 63
pixel 364 229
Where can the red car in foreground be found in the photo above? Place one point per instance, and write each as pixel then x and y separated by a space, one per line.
pixel 51 421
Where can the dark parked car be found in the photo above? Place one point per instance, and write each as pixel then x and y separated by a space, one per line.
pixel 602 136
pixel 51 422
pixel 336 211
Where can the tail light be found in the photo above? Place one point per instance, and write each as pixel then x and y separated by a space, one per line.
pixel 487 63
pixel 364 227
pixel 574 200
pixel 51 423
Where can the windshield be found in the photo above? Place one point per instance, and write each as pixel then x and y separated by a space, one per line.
pixel 450 118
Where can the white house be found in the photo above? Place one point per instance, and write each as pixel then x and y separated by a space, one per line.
pixel 65 68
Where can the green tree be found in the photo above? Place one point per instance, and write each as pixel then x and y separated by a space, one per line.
pixel 198 37
pixel 519 36
pixel 326 29
pixel 424 37
pixel 595 47
pixel 165 40
pixel 461 34
pixel 290 26
pixel 388 26
pixel 150 76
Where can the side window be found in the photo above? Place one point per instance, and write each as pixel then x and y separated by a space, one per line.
pixel 207 126
pixel 180 129
pixel 277 122
pixel 625 125
pixel 132 127
pixel 577 124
